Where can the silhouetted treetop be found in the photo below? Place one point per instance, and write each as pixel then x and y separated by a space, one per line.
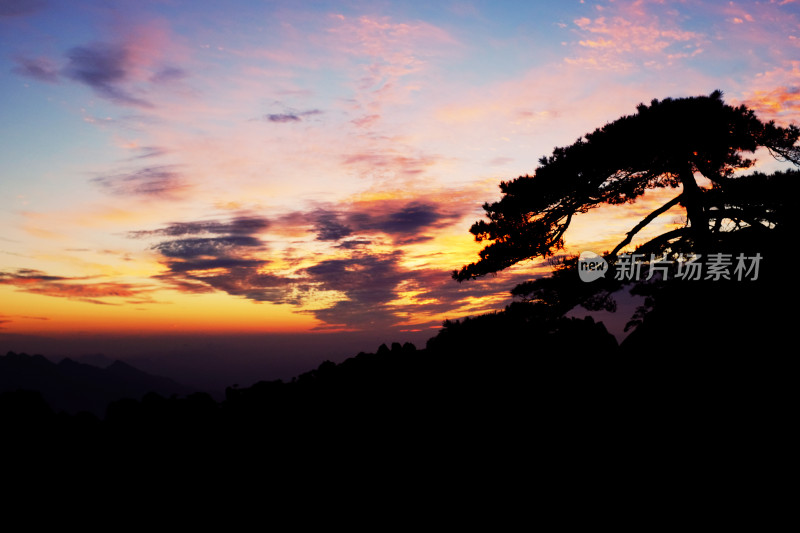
pixel 670 143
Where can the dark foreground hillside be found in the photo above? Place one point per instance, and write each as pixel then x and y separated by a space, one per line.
pixel 496 394
pixel 467 371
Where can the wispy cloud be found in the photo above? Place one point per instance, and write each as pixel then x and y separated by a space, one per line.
pixel 402 220
pixel 168 75
pixel 368 282
pixel 230 271
pixel 215 246
pixel 380 291
pixel 8 319
pixel 38 68
pixel 240 225
pixel 124 70
pixel 630 35
pixel 104 67
pixel 390 58
pixel 155 182
pixel 38 282
pixel 330 225
pixel 388 161
pixel 230 261
pixel 383 37
pixel 17 8
pixel 776 94
pixel 146 152
pixel 291 117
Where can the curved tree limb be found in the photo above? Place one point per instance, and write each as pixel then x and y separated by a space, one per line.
pixel 645 221
pixel 662 239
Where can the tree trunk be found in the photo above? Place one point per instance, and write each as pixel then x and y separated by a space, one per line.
pixel 693 202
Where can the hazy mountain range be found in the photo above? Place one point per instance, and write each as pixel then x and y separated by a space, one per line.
pixel 73 386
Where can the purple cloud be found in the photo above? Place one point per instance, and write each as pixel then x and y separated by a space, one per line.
pixel 39 68
pixel 162 181
pixel 103 67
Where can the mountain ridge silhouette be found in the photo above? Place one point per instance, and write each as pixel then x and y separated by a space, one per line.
pixel 73 387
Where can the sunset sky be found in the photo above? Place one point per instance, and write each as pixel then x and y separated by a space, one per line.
pixel 309 167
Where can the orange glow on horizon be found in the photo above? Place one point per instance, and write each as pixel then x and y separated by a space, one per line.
pixel 211 313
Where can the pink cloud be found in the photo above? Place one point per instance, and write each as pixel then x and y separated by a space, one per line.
pixel 383 38
pixel 775 94
pixel 388 56
pixel 632 37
